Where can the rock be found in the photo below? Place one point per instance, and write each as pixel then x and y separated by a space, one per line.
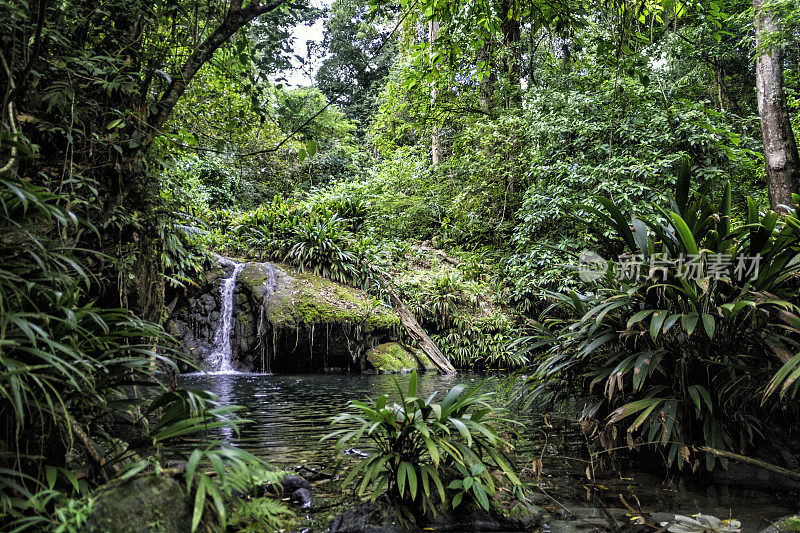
pixel 503 516
pixel 302 497
pixel 291 483
pixel 148 503
pixel 749 476
pixel 392 357
pixel 790 524
pixel 194 318
pixel 369 517
pixel 306 323
pixel 285 321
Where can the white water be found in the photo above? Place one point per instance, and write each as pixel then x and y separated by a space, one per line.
pixel 220 358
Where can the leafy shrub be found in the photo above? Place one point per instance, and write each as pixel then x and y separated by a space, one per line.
pixel 269 229
pixel 70 373
pixel 418 449
pixel 694 359
pixel 481 343
pixel 441 300
pixel 236 472
pixel 347 204
pixel 320 247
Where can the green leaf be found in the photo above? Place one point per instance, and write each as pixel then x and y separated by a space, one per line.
pixel 199 503
pixel 457 499
pixel 311 148
pixel 639 316
pixel 689 322
pixel 682 186
pixel 709 324
pixel 687 239
pixel 656 323
pixel 402 476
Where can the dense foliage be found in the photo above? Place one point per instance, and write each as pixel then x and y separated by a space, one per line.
pixel 681 340
pixel 460 155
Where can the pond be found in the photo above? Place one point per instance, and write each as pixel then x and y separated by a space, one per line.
pixel 291 413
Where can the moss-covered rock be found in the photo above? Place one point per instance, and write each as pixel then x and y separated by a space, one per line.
pixel 303 298
pixel 148 503
pixel 392 357
pixel 286 321
pixel 289 321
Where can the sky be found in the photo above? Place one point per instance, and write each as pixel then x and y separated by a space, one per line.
pixel 301 34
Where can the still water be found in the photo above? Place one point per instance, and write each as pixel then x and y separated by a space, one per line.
pixel 290 413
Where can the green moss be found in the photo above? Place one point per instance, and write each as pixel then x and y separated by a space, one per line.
pixel 789 525
pixel 391 357
pixel 309 299
pixel 253 275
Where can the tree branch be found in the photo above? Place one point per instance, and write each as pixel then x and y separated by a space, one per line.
pixel 236 19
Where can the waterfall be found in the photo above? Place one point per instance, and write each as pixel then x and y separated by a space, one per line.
pixel 219 359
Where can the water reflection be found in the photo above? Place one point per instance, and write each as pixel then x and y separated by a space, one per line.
pixel 292 412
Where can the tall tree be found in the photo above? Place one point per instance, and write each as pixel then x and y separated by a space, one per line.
pixel 780 148
pixel 358 52
pixel 436 136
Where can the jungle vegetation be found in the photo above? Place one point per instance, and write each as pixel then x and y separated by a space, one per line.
pixel 139 137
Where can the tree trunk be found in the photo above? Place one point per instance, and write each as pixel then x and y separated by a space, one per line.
pixel 511 37
pixel 418 334
pixel 140 190
pixel 436 136
pixel 488 84
pixel 237 18
pixel 780 149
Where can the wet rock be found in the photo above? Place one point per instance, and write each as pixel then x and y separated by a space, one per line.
pixel 285 321
pixel 289 484
pixel 194 319
pixel 369 517
pixel 148 503
pixel 302 497
pixel 298 322
pixel 392 357
pixel 503 516
pixel 749 476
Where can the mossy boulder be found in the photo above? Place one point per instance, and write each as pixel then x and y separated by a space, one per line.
pixel 288 321
pixel 148 503
pixel 302 298
pixel 393 357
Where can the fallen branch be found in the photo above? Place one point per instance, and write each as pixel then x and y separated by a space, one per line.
pixel 97 460
pixel 418 333
pixel 749 460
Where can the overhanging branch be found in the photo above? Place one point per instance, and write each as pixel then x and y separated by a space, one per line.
pixel 236 19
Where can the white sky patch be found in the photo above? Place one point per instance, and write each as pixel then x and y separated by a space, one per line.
pixel 303 75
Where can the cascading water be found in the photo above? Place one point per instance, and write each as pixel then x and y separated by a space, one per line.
pixel 220 358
